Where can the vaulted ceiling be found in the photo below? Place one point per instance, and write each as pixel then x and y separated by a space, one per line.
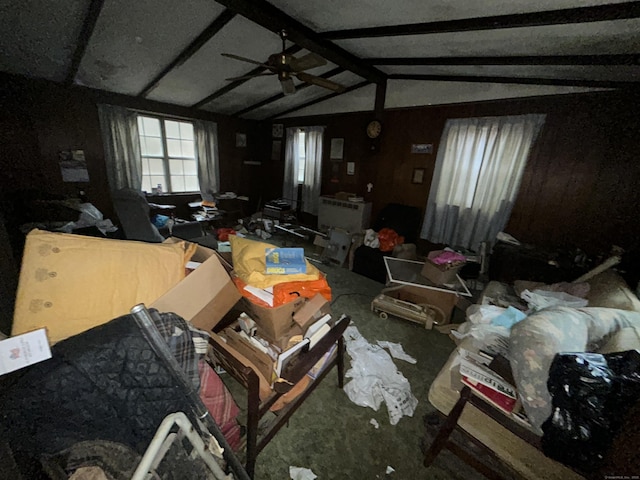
pixel 383 53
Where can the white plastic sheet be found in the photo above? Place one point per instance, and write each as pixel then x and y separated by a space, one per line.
pixel 375 378
pixel 300 473
pixel 539 299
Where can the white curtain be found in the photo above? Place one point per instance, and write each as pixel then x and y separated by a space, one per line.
pixel 313 169
pixel 290 184
pixel 476 179
pixel 206 143
pixel 119 127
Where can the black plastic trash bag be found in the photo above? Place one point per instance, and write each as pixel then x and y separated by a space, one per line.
pixel 591 394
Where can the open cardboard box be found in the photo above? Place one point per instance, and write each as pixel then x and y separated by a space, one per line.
pixel 205 295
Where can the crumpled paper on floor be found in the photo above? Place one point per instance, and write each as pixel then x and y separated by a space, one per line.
pixel 375 378
pixel 300 473
pixel 396 351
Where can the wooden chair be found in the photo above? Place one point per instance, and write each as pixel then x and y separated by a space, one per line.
pixel 232 362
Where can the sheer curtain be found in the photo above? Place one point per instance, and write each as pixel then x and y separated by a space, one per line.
pixel 206 143
pixel 477 176
pixel 119 127
pixel 312 167
pixel 290 184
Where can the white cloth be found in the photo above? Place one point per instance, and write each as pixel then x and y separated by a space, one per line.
pixel 478 171
pixel 206 143
pixel 119 127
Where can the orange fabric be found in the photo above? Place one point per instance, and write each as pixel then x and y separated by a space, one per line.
pixel 286 292
pixel 388 239
pixel 223 234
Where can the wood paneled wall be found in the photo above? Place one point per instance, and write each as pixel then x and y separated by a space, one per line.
pixel 580 186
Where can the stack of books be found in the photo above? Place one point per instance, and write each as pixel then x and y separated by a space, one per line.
pixel 485 382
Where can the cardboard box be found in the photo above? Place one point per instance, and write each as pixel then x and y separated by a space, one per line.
pixel 275 322
pixel 283 342
pixel 312 311
pixel 445 301
pixel 262 362
pixel 439 274
pixel 205 295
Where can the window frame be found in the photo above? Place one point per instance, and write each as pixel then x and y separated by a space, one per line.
pixel 165 157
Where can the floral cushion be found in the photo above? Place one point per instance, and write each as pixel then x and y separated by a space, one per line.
pixel 536 340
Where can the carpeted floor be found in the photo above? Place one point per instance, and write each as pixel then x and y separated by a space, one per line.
pixel 334 437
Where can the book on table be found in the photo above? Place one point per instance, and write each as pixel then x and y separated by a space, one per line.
pixel 487 384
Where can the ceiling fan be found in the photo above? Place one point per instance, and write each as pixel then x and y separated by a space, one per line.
pixel 286 66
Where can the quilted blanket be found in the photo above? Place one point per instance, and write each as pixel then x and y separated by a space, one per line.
pixel 108 383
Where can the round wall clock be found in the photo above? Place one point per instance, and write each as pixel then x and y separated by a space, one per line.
pixel 374 129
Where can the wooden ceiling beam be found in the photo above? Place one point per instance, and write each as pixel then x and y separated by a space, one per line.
pixel 519 80
pixel 292 50
pixel 277 97
pixel 318 100
pixel 633 59
pixel 597 13
pixel 271 18
pixel 89 24
pixel 206 35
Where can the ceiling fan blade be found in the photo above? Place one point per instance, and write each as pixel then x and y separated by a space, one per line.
pixel 306 62
pixel 321 82
pixel 288 87
pixel 248 77
pixel 243 59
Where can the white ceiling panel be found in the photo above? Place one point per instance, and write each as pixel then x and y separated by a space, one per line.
pixel 414 93
pixel 134 40
pixel 620 36
pixel 360 100
pixel 256 90
pixel 303 96
pixel 206 71
pixel 572 72
pixel 38 37
pixel 340 14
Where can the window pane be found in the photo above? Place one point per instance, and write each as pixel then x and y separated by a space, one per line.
pixel 187 148
pixel 175 167
pixel 151 127
pixel 146 184
pixel 191 183
pixel 158 179
pixel 145 166
pixel 177 183
pixel 140 126
pixel 190 167
pixel 153 146
pixel 186 131
pixel 173 146
pixel 172 129
pixel 156 166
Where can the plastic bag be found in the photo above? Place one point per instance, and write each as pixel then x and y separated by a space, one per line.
pixel 375 378
pixel 591 394
pixel 371 238
pixel 388 239
pixel 539 299
pixel 286 292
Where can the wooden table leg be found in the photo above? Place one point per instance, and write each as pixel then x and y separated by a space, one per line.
pixel 447 427
pixel 340 361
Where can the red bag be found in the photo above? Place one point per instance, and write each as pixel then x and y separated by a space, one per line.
pixel 223 234
pixel 388 239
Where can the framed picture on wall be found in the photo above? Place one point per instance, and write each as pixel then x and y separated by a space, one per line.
pixel 276 147
pixel 241 140
pixel 418 175
pixel 277 129
pixel 337 149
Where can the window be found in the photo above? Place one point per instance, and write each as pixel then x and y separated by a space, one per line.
pixel 301 156
pixel 303 168
pixel 478 169
pixel 168 154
